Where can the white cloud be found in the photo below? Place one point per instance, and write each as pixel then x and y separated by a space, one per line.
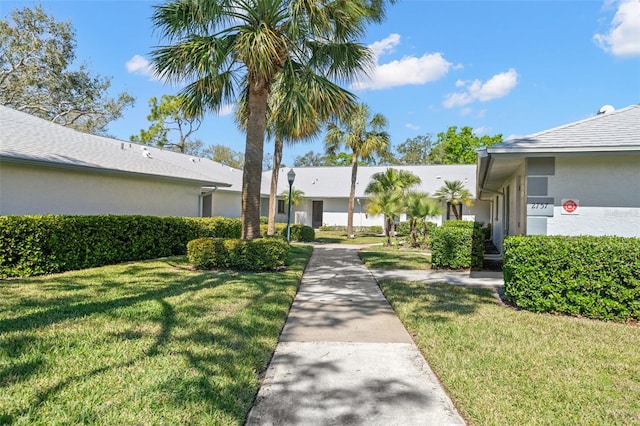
pixel 141 66
pixel 623 38
pixel 410 70
pixel 385 45
pixel 496 87
pixel 482 130
pixel 412 126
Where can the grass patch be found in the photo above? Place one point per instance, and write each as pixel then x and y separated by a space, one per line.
pixel 392 258
pixel 508 367
pixel 340 237
pixel 140 343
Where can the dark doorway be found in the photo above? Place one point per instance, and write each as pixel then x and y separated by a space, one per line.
pixel 316 214
pixel 206 205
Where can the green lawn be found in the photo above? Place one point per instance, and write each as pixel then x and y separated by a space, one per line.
pixel 379 257
pixel 140 343
pixel 340 237
pixel 508 367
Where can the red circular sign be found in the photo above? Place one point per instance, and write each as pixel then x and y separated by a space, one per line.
pixel 570 206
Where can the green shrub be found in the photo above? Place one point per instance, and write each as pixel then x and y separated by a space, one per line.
pixel 35 245
pixel 377 229
pixel 279 227
pixel 299 233
pixel 217 227
pixel 457 244
pixel 208 253
pixel 595 277
pixel 243 255
pixel 403 228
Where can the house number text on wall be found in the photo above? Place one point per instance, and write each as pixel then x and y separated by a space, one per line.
pixel 540 209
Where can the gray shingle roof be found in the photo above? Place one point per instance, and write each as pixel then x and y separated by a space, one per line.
pixel 611 132
pixel 31 140
pixel 335 182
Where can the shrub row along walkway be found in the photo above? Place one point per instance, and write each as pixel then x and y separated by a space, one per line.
pixel 344 357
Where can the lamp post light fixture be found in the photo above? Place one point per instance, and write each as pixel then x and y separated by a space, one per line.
pixel 291 176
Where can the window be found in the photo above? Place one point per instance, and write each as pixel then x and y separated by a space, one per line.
pixel 281 206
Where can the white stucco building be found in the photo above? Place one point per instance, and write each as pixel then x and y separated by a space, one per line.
pixel 582 178
pixel 46 168
pixel 327 190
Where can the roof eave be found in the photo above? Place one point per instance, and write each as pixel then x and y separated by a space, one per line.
pixel 102 170
pixel 575 150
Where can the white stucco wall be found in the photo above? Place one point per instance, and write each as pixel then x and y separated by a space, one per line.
pixel 26 190
pixel 607 189
pixel 228 204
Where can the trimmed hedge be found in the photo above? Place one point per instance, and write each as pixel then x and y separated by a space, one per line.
pixel 457 244
pixel 299 232
pixel 216 227
pixel 35 245
pixel 279 228
pixel 594 277
pixel 244 255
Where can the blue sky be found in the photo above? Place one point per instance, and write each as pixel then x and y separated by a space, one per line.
pixel 509 67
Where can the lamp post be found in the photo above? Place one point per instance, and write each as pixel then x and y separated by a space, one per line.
pixel 291 176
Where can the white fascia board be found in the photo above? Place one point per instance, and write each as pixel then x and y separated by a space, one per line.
pixel 101 170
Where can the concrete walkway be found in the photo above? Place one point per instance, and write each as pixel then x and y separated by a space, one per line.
pixel 344 357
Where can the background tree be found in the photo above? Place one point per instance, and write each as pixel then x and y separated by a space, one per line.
pixel 414 151
pixel 454 194
pixel 171 127
pixel 364 136
pixel 225 155
pixel 310 159
pixel 225 46
pixel 459 147
pixel 35 55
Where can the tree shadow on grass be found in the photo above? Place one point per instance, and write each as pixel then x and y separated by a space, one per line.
pixel 226 379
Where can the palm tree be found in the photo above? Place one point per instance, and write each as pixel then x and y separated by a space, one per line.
pixel 222 46
pixel 299 104
pixel 297 196
pixel 390 204
pixel 364 137
pixel 392 179
pixel 419 206
pixel 454 193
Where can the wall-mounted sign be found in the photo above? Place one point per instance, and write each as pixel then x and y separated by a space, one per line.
pixel 540 206
pixel 570 206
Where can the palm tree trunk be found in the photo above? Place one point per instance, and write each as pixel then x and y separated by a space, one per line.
pixel 455 211
pixel 352 194
pixel 277 159
pixel 252 173
pixel 414 232
pixel 387 230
